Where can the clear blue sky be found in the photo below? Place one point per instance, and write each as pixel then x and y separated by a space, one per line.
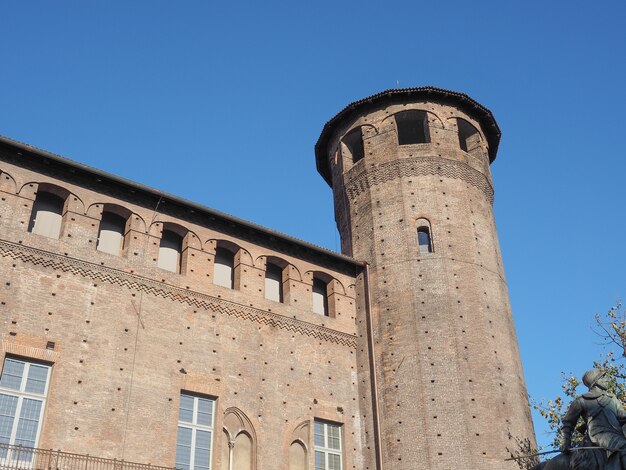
pixel 222 102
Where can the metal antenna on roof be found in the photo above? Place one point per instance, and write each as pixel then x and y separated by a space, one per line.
pixel 156 208
pixel 397 83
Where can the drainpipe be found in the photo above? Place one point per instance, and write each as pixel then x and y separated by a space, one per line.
pixel 378 447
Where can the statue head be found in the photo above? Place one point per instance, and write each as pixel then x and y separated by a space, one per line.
pixel 595 378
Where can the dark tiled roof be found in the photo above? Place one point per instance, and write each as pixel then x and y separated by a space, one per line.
pixel 402 95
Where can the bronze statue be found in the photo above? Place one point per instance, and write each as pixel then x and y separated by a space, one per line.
pixel 604 417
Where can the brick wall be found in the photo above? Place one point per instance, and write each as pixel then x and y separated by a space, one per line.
pixel 128 336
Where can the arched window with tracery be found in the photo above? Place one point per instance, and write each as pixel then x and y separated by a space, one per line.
pixel 239 446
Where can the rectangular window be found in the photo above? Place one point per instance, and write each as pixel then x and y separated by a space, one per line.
pixel 327 446
pixel 195 432
pixel 23 390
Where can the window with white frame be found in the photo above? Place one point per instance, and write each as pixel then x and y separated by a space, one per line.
pixel 23 390
pixel 195 432
pixel 327 446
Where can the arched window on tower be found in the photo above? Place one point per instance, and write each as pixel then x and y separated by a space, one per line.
pixel 423 240
pixel 224 268
pixel 353 144
pixel 273 282
pixel 111 233
pixel 47 214
pixel 469 137
pixel 170 250
pixel 412 127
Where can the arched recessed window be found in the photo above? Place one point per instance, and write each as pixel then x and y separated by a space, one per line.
pixel 170 251
pixel 353 144
pixel 297 456
pixel 242 452
pixel 320 296
pixel 47 214
pixel 224 268
pixel 412 127
pixel 273 282
pixel 111 234
pixel 424 241
pixel 469 137
pixel 239 444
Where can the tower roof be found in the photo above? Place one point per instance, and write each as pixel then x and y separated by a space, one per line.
pixel 401 95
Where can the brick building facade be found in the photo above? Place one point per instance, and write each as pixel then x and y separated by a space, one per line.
pixel 136 325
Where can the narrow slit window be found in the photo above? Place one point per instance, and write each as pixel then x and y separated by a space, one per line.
pixel 273 282
pixel 111 235
pixel 47 215
pixel 224 268
pixel 170 251
pixel 320 296
pixel 353 142
pixel 424 241
pixel 469 137
pixel 412 127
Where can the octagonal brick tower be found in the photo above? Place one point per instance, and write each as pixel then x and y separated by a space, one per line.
pixel 413 197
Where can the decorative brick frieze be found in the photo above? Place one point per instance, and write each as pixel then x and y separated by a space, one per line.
pixel 98 273
pixel 359 179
